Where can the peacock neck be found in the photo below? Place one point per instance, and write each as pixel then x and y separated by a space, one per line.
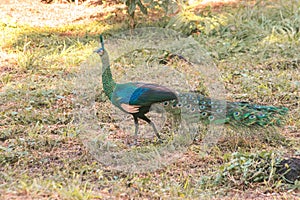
pixel 107 79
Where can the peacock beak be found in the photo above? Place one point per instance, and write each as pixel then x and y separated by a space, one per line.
pixel 99 51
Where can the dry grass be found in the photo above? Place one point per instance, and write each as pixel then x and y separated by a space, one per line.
pixel 42 155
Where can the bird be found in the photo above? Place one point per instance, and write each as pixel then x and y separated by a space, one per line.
pixel 136 98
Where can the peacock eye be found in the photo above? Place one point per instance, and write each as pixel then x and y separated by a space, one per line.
pixel 236 114
pixel 193 110
pixel 166 103
pixel 196 101
pixel 174 105
pixel 204 114
pixel 219 110
pixel 210 118
pixel 203 102
pixel 179 105
pixel 252 117
pixel 202 107
pixel 188 106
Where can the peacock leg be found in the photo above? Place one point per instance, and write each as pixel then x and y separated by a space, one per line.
pixel 136 124
pixel 143 117
pixel 155 130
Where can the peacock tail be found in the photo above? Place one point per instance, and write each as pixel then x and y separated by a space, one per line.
pixel 196 107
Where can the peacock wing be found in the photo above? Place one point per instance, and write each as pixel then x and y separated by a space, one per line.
pixel 146 94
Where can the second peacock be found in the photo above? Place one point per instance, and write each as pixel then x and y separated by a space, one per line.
pixel 136 98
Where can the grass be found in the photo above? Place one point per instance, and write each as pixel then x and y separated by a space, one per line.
pixel 42 156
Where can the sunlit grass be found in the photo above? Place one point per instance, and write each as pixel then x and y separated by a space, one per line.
pixel 255 47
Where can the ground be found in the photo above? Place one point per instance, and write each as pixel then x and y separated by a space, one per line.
pixel 43 156
pixel 37 13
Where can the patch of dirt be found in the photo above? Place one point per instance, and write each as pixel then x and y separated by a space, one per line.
pixel 36 13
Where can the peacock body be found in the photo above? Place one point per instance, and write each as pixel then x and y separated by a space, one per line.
pixel 136 98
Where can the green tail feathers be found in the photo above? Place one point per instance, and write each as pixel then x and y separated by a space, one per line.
pixel 196 107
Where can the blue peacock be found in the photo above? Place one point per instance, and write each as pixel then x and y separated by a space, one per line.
pixel 136 98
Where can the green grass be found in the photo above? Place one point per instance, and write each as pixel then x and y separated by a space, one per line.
pixel 256 49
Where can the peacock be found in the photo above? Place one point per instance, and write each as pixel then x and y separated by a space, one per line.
pixel 136 98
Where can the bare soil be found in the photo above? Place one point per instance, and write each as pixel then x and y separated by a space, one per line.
pixel 37 13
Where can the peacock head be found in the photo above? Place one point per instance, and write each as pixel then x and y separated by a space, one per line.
pixel 101 50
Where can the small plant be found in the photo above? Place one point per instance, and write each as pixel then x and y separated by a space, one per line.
pixel 143 6
pixel 131 7
pixel 246 169
pixel 27 60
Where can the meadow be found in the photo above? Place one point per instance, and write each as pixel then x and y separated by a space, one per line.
pixel 255 46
